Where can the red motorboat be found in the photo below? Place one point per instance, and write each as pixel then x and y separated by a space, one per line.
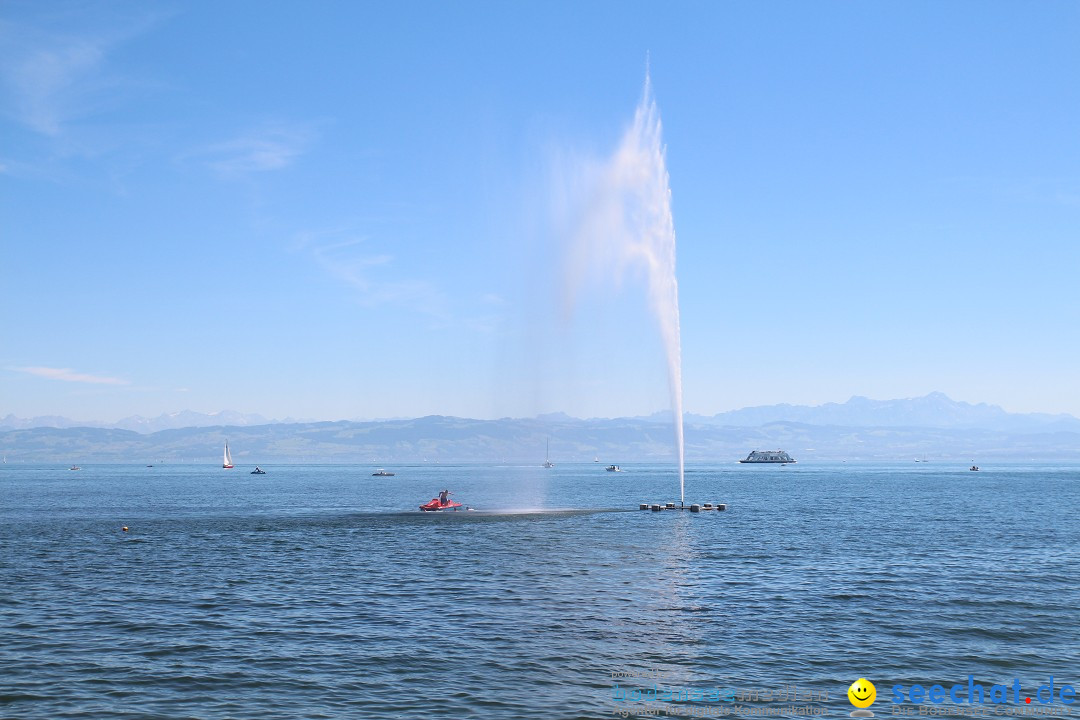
pixel 435 505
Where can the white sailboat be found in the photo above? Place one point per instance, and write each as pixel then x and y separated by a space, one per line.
pixel 227 463
pixel 547 455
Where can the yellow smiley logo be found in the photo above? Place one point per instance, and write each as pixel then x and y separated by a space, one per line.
pixel 862 693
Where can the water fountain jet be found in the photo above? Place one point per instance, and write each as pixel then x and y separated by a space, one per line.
pixel 626 223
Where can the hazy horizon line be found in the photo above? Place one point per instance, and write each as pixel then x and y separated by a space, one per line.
pixel 259 419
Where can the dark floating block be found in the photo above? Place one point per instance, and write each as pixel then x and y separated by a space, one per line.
pixel 696 507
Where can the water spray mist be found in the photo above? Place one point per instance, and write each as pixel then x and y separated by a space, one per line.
pixel 626 224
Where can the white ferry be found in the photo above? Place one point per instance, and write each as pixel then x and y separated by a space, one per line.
pixel 768 456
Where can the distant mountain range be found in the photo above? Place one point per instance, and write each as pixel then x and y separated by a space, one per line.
pixel 140 424
pixel 935 410
pixel 932 427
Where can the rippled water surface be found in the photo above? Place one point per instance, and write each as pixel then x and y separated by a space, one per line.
pixel 321 592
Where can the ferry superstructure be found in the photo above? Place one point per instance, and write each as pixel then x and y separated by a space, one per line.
pixel 768 456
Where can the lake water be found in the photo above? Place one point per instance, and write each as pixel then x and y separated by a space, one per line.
pixel 321 592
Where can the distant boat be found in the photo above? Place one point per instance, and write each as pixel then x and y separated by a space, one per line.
pixel 974 468
pixel 227 462
pixel 258 471
pixel 382 473
pixel 596 459
pixel 75 467
pixel 547 455
pixel 768 456
pixel 613 468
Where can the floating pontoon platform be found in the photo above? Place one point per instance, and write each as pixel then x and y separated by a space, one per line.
pixel 704 507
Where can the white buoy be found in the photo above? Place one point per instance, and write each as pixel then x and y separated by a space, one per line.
pixel 656 508
pixel 644 506
pixel 721 507
pixel 695 508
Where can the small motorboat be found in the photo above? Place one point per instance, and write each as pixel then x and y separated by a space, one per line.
pixel 974 468
pixel 75 467
pixel 436 505
pixel 613 468
pixel 382 473
pixel 258 471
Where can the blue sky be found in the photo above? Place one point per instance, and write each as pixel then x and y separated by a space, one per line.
pixel 343 210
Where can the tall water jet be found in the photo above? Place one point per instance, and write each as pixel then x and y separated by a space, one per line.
pixel 622 221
